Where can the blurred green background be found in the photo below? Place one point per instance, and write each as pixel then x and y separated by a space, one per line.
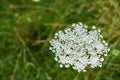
pixel 26 26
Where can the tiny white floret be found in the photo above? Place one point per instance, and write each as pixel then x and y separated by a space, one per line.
pixel 93 27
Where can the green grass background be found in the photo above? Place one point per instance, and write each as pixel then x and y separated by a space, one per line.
pixel 26 28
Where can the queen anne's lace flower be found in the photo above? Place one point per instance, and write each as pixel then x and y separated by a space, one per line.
pixel 79 47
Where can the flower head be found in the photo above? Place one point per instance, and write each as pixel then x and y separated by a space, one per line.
pixel 79 48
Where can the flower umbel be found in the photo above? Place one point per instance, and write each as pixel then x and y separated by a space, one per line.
pixel 79 48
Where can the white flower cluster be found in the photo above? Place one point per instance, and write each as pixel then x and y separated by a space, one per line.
pixel 78 47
